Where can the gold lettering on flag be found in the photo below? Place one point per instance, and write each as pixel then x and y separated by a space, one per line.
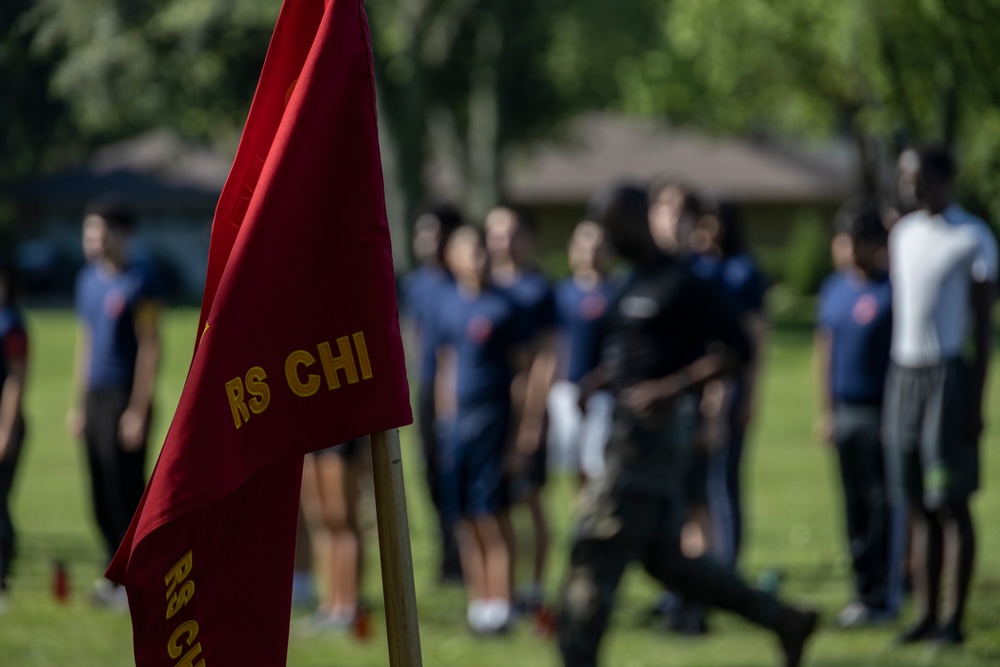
pixel 251 395
pixel 180 589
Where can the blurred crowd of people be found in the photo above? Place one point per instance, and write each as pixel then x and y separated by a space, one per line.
pixel 639 373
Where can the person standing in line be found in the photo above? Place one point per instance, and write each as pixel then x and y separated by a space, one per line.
pixel 331 490
pixel 943 266
pixel 673 215
pixel 509 240
pixel 578 438
pixel 668 334
pixel 480 349
pixel 118 306
pixel 720 253
pixel 853 334
pixel 421 293
pixel 13 375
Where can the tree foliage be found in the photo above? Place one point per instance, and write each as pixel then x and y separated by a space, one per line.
pixel 467 80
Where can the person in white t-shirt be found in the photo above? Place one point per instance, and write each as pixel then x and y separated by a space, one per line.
pixel 943 267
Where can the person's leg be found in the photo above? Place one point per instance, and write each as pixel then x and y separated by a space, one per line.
pixel 611 530
pixel 928 545
pixel 960 534
pixel 335 481
pixel 101 440
pixel 131 467
pixel 860 455
pixel 540 524
pixel 495 557
pixel 430 445
pixel 8 469
pixel 712 583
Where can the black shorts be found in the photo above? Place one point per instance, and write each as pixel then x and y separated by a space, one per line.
pixel 929 457
pixel 535 472
pixel 471 461
pixel 349 451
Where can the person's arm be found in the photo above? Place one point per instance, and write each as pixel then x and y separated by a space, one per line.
pixel 445 399
pixel 12 394
pixel 983 294
pixel 728 352
pixel 645 398
pixel 823 356
pixel 76 416
pixel 538 381
pixel 134 422
pixel 757 328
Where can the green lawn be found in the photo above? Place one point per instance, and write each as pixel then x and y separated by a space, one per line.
pixel 794 525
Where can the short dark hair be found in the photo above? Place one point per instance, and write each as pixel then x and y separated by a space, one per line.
pixel 609 204
pixel 938 159
pixel 114 210
pixel 448 215
pixel 9 276
pixel 861 220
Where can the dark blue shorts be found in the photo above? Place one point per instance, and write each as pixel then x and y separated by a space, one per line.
pixel 471 464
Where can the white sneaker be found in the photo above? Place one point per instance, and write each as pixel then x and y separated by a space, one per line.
pixel 497 615
pixel 109 595
pixel 859 615
pixel 476 615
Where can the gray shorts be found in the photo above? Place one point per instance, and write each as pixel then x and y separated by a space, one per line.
pixel 929 456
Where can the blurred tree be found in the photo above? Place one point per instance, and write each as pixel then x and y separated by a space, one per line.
pixel 880 71
pixel 33 123
pixel 468 80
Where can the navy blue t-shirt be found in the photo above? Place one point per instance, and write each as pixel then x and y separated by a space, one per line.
pixel 739 276
pixel 532 294
pixel 580 314
pixel 106 303
pixel 858 316
pixel 422 292
pixel 13 338
pixel 484 331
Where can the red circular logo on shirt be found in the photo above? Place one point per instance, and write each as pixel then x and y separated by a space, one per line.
pixel 114 304
pixel 592 306
pixel 865 310
pixel 479 329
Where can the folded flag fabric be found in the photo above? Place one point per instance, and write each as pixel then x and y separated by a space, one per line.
pixel 298 349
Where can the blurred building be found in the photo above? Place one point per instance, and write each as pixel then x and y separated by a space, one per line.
pixel 174 186
pixel 777 185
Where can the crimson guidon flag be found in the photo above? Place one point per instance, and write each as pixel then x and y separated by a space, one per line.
pixel 298 349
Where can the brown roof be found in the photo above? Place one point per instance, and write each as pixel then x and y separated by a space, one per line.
pixel 601 148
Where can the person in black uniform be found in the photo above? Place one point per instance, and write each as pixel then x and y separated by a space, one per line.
pixel 667 334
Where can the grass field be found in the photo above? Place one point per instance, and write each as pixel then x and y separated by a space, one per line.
pixel 794 525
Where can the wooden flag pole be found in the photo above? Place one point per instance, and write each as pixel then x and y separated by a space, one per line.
pixel 394 547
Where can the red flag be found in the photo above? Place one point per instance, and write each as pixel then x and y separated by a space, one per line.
pixel 298 349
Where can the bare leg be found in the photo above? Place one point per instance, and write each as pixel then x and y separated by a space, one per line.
pixel 541 526
pixel 470 551
pixel 338 491
pixel 496 558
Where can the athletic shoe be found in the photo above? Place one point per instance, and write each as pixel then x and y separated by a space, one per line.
pixel 949 634
pixel 109 595
pixel 859 615
pixel 922 630
pixel 331 621
pixel 794 629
